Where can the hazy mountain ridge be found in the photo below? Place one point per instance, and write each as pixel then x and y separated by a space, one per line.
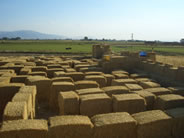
pixel 28 34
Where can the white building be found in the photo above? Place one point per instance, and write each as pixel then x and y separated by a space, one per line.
pixel 182 41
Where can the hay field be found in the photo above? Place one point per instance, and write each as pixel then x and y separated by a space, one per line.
pixel 173 60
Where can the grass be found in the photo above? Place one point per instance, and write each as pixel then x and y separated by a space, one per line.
pixel 83 46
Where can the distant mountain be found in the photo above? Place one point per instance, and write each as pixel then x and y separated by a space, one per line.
pixel 27 34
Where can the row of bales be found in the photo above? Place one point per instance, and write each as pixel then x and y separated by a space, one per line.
pixel 81 100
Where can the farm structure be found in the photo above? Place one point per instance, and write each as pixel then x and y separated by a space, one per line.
pixel 125 96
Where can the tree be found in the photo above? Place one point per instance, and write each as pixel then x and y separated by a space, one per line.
pixel 85 38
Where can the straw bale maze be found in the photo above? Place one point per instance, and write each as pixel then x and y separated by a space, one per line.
pixel 81 97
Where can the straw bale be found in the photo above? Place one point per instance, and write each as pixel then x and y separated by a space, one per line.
pixel 50 72
pixel 24 129
pixel 153 124
pixel 92 104
pixel 43 85
pixel 101 80
pixel 138 75
pixel 7 91
pixel 16 68
pixel 133 87
pixel 121 76
pixel 70 70
pixel 149 98
pixel 55 89
pixel 109 79
pixel 86 69
pixel 177 90
pixel 70 126
pixel 18 79
pixel 149 84
pixel 131 103
pixel 25 97
pixel 84 84
pixel 62 79
pixel 77 67
pixel 114 125
pixel 38 74
pixel 122 82
pixel 59 74
pixel 68 103
pixel 119 72
pixel 110 90
pixel 94 73
pixel 76 76
pixel 159 91
pixel 7 70
pixel 169 101
pixel 51 66
pixel 143 80
pixel 32 90
pixel 5 79
pixel 89 91
pixel 25 71
pixel 15 111
pixel 39 69
pixel 178 121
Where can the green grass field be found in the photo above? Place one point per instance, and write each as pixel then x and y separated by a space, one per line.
pixel 82 46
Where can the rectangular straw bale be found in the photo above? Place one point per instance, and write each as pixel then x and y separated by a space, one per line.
pixel 93 104
pixel 169 101
pixel 111 90
pixel 76 76
pixel 121 76
pixel 139 80
pixel 120 72
pixel 39 68
pixel 177 90
pixel 70 70
pixel 159 91
pixel 153 124
pixel 138 75
pixel 55 89
pixel 18 79
pixel 77 67
pixel 149 98
pixel 5 79
pixel 15 111
pixel 94 73
pixel 50 72
pixel 53 66
pixel 32 90
pixel 109 79
pixel 59 74
pixel 7 91
pixel 178 121
pixel 70 126
pixel 133 87
pixel 84 84
pixel 25 97
pixel 101 80
pixel 24 129
pixel 131 103
pixel 62 79
pixel 89 91
pixel 149 84
pixel 25 71
pixel 38 74
pixel 122 82
pixel 114 125
pixel 16 68
pixel 43 85
pixel 68 103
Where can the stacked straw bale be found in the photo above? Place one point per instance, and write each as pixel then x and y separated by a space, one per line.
pixel 24 129
pixel 138 75
pixel 59 74
pixel 44 74
pixel 18 79
pixel 111 90
pixel 15 111
pixel 101 80
pixel 76 76
pixel 150 84
pixel 93 73
pixel 169 101
pixel 114 125
pixel 92 104
pixel 62 79
pixel 50 72
pixel 133 87
pixel 68 103
pixel 177 90
pixel 159 91
pixel 70 127
pixel 109 78
pixel 178 121
pixel 119 72
pixel 84 84
pixel 149 98
pixel 122 82
pixel 131 103
pixel 89 91
pixel 121 76
pixel 39 69
pixel 153 124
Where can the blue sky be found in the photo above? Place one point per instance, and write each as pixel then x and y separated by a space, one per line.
pixel 112 19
